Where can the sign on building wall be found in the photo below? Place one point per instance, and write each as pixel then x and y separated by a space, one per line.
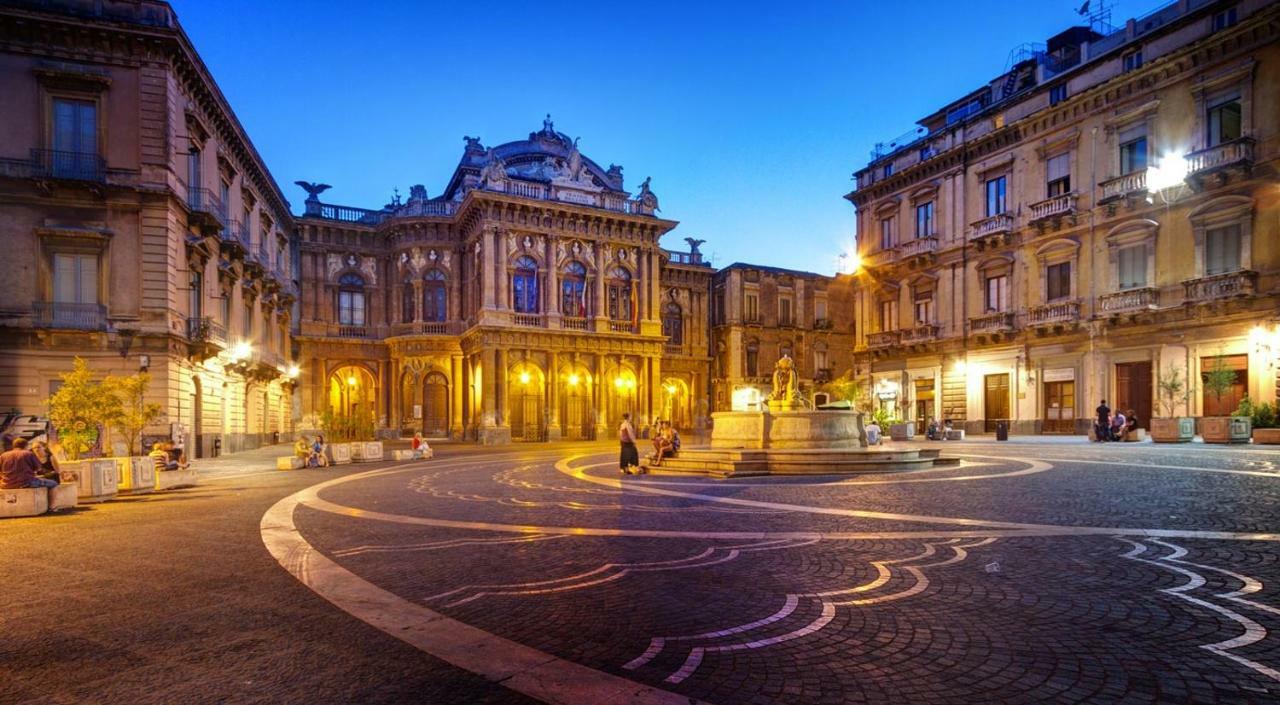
pixel 417 411
pixel 1064 374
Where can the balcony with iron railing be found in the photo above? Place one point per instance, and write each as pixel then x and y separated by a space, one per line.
pixel 992 322
pixel 1055 207
pixel 72 166
pixel 69 316
pixel 1219 286
pixel 1129 300
pixel 207 210
pixel 235 236
pixel 1054 313
pixel 1122 186
pixel 992 226
pixel 1236 153
pixel 203 329
pixel 882 340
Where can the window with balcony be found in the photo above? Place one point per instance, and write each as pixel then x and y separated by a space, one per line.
pixel 1057 281
pixel 753 358
pixel 524 285
pixel 1222 250
pixel 718 316
pixel 1058 174
pixel 75 278
pixel 75 138
pixel 573 287
pixel 351 302
pixel 1131 266
pixel 195 296
pixel 1225 121
pixel 924 219
pixel 997 195
pixel 888 315
pixel 1225 18
pixel 820 309
pixel 1133 155
pixel 247 320
pixel 195 168
pixel 435 297
pixel 785 317
pixel 888 233
pixel 224 309
pixel 997 293
pixel 922 303
pixel 673 323
pixel 408 295
pixel 1132 60
pixel 751 308
pixel 820 358
pixel 619 294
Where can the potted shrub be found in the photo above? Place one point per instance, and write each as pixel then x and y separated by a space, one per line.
pixel 78 414
pixel 350 437
pixel 1266 427
pixel 131 414
pixel 1172 392
pixel 1217 381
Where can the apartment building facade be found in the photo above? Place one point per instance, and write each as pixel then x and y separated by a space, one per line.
pixel 1102 215
pixel 142 229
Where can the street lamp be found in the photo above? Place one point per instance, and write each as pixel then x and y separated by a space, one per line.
pixel 524 377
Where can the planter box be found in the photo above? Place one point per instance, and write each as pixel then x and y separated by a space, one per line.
pixel 289 462
pixel 173 479
pixel 99 480
pixel 1269 436
pixel 408 454
pixel 137 474
pixel 366 452
pixel 64 496
pixel 1226 429
pixel 902 431
pixel 1174 430
pixel 338 453
pixel 955 434
pixel 27 502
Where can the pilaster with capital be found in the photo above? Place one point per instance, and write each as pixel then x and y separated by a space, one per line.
pixel 487 274
pixel 500 378
pixel 500 269
pixel 458 382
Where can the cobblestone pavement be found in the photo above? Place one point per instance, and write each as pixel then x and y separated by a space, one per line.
pixel 1036 571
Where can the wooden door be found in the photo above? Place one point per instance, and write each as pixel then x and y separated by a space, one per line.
pixel 576 418
pixel 1225 406
pixel 1134 391
pixel 995 400
pixel 435 407
pixel 1059 407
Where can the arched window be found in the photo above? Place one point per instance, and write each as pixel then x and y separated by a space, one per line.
pixel 673 323
pixel 406 300
pixel 435 297
pixel 351 300
pixel 620 294
pixel 524 286
pixel 573 286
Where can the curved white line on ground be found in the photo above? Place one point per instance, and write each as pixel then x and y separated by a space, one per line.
pixel 525 670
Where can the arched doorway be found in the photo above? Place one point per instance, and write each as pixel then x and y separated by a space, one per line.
pixel 622 396
pixel 577 417
pixel 352 390
pixel 675 403
pixel 410 402
pixel 435 406
pixel 528 413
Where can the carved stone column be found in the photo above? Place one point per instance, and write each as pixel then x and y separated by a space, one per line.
pixel 456 383
pixel 500 269
pixel 553 279
pixel 489 389
pixel 487 274
pixel 552 395
pixel 500 379
pixel 602 310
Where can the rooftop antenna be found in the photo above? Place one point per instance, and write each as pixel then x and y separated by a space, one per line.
pixel 1098 12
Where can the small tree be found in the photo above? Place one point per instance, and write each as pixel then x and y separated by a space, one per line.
pixel 843 388
pixel 134 412
pixel 1173 390
pixel 1219 379
pixel 79 409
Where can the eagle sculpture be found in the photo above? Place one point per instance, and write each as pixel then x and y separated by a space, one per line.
pixel 313 190
pixel 694 244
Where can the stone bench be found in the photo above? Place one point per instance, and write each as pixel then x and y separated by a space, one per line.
pixel 1137 435
pixel 408 454
pixel 64 496
pixel 290 462
pixel 955 434
pixel 34 501
pixel 367 452
pixel 137 474
pixel 173 479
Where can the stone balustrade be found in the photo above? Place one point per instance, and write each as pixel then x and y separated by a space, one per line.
pixel 992 322
pixel 1055 207
pixel 1121 186
pixel 1219 286
pixel 920 334
pixel 575 323
pixel 529 320
pixel 882 339
pixel 999 224
pixel 1129 300
pixel 919 246
pixel 1053 313
pixel 1235 152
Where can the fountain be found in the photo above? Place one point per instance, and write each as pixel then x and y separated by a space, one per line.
pixel 787 438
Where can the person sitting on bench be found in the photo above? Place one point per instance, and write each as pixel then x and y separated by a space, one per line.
pixel 20 468
pixel 160 458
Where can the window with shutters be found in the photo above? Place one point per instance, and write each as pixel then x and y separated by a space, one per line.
pixel 1133 154
pixel 997 293
pixel 751 308
pixel 997 195
pixel 888 233
pixel 195 302
pixel 673 323
pixel 1222 250
pixel 922 302
pixel 1225 122
pixel 924 219
pixel 75 138
pixel 75 278
pixel 435 297
pixel 753 358
pixel 785 317
pixel 1131 266
pixel 1058 171
pixel 1057 281
pixel 889 315
pixel 1132 60
pixel 351 300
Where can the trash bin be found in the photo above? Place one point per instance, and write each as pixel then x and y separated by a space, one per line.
pixel 217 446
pixel 275 438
pixel 1002 430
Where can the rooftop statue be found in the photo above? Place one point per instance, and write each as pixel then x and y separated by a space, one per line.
pixel 694 244
pixel 313 190
pixel 494 170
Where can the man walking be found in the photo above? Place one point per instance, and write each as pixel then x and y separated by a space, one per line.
pixel 19 468
pixel 1102 428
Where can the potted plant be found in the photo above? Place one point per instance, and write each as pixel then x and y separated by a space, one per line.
pixel 1266 427
pixel 1172 391
pixel 1218 380
pixel 131 414
pixel 78 414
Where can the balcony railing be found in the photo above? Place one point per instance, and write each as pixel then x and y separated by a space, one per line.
pixel 999 224
pixel 992 322
pixel 822 375
pixel 264 255
pixel 75 166
pixel 575 323
pixel 355 332
pixel 1129 300
pixel 881 257
pixel 1233 153
pixel 621 327
pixel 882 339
pixel 920 334
pixel 1053 313
pixel 203 202
pixel 529 320
pixel 1055 207
pixel 919 246
pixel 345 214
pixel 1220 286
pixel 57 314
pixel 1121 186
pixel 203 329
pixel 424 328
pixel 822 324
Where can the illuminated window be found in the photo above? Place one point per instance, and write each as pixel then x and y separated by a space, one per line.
pixel 524 286
pixel 351 300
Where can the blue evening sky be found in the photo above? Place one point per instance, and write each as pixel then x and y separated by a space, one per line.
pixel 749 116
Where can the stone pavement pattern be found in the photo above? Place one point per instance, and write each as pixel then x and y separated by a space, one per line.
pixel 1034 572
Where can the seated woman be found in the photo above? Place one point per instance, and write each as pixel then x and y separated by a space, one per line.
pixel 1130 425
pixel 317 450
pixel 419 447
pixel 666 442
pixel 177 455
pixel 48 463
pixel 302 451
pixel 160 457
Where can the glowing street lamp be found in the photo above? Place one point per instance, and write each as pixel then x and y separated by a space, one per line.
pixel 242 350
pixel 292 372
pixel 524 377
pixel 573 380
pixel 1168 173
pixel 352 381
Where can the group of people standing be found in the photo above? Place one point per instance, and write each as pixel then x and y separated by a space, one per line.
pixel 1114 426
pixel 666 444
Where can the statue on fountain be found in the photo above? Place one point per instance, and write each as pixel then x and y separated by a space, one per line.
pixel 786 391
